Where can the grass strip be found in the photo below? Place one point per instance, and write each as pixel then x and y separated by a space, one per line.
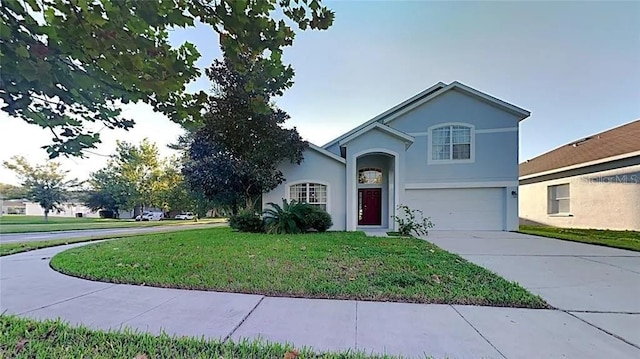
pixel 629 240
pixel 25 338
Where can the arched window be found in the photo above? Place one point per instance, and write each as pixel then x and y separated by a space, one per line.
pixel 451 143
pixel 313 193
pixel 370 176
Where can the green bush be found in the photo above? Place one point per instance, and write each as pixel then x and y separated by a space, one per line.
pixel 246 221
pixel 409 222
pixel 290 218
pixel 318 219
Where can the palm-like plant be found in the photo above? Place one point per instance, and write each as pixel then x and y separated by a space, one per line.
pixel 286 219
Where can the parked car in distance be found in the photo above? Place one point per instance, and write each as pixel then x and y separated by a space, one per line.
pixel 150 216
pixel 185 215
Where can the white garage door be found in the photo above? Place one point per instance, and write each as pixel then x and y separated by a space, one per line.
pixel 460 208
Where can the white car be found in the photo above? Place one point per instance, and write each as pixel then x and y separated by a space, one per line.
pixel 185 216
pixel 150 216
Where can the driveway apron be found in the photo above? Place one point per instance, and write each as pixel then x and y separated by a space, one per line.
pixel 595 284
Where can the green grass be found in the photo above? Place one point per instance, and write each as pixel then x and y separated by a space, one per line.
pixel 617 239
pixel 16 224
pixel 396 234
pixel 24 338
pixel 342 265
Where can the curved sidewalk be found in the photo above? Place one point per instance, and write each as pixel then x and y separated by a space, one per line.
pixel 30 288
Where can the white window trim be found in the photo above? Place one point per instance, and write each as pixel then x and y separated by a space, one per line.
pixel 287 190
pixel 472 150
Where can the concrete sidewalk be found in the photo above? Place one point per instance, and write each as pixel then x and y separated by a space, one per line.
pixel 29 287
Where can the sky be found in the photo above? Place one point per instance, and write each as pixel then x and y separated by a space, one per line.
pixel 574 65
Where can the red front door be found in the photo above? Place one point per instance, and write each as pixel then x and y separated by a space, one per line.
pixel 369 206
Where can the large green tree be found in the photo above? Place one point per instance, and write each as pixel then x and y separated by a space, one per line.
pixel 46 184
pixel 138 168
pixel 234 157
pixel 176 194
pixel 68 63
pixel 109 191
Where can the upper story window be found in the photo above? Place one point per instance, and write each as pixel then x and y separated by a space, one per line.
pixel 312 193
pixel 451 143
pixel 370 176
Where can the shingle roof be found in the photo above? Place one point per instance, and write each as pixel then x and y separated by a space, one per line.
pixel 618 141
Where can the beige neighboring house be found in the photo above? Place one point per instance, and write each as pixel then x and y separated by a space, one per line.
pixel 590 183
pixel 12 206
pixel 69 209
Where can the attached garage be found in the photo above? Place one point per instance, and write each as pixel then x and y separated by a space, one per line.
pixel 461 208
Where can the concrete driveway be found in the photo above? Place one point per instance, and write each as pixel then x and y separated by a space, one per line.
pixel 596 284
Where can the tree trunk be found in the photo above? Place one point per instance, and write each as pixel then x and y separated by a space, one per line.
pixel 46 215
pixel 234 207
pixel 248 204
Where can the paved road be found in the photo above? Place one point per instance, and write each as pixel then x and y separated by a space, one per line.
pixel 29 287
pixel 45 236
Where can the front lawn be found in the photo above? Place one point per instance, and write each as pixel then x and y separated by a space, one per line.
pixel 343 265
pixel 24 338
pixel 618 239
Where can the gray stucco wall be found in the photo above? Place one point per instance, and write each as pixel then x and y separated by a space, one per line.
pixel 316 168
pixel 335 148
pixel 496 153
pixel 454 106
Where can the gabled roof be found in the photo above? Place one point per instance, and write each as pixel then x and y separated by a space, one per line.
pixel 427 95
pixel 619 142
pixel 390 111
pixel 384 128
pixel 326 153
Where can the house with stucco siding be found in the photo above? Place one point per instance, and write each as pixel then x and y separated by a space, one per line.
pixel 450 151
pixel 593 182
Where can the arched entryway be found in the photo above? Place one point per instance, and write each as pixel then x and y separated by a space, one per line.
pixel 374 192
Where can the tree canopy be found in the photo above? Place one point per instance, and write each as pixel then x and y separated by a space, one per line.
pixel 68 63
pixel 137 177
pixel 8 191
pixel 46 184
pixel 234 156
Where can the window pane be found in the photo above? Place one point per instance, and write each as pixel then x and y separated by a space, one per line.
pixel 461 152
pixel 441 136
pixel 317 193
pixel 563 206
pixel 461 135
pixel 441 152
pixel 370 176
pixel 298 192
pixel 562 191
